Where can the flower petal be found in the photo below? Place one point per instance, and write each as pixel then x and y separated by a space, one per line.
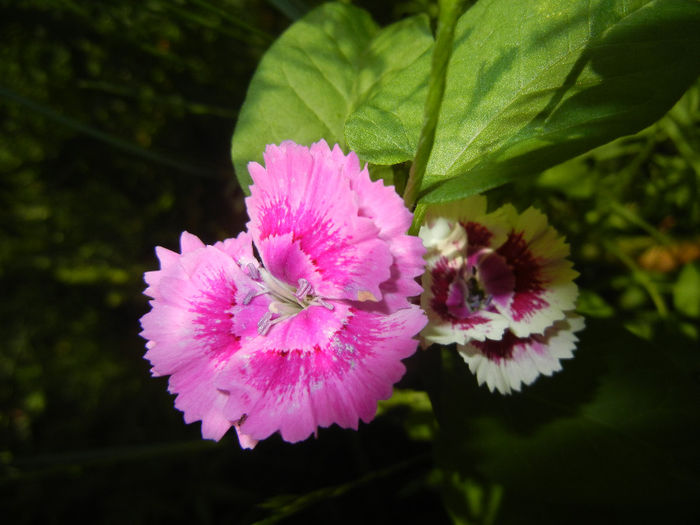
pixel 544 288
pixel 292 195
pixel 338 381
pixel 308 338
pixel 444 327
pixel 387 211
pixel 496 277
pixel 190 328
pixel 189 242
pixel 507 364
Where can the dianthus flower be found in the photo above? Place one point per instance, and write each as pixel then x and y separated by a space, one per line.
pixel 313 333
pixel 499 285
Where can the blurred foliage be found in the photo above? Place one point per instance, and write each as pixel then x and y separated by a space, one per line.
pixel 614 434
pixel 631 213
pixel 115 125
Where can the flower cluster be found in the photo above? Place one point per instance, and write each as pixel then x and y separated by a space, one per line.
pixel 499 285
pixel 311 334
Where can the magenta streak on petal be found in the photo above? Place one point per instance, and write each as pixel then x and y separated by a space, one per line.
pixel 213 318
pixel 442 275
pixel 347 263
pixel 319 238
pixel 525 304
pixel 337 382
pixel 287 262
pixel 277 217
pixel 457 299
pixel 526 270
pixel 284 380
pixel 478 236
pixel 496 278
pixel 503 349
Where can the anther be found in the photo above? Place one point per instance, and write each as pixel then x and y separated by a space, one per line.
pixel 323 303
pixel 303 289
pixel 251 295
pixel 253 271
pixel 265 323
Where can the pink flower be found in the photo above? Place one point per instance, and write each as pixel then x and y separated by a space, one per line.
pixel 499 285
pixel 311 335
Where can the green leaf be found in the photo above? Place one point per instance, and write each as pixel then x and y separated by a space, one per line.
pixel 315 75
pixel 686 291
pixel 384 129
pixel 304 87
pixel 617 427
pixel 532 84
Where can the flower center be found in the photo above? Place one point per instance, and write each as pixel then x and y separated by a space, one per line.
pixel 477 298
pixel 466 295
pixel 287 301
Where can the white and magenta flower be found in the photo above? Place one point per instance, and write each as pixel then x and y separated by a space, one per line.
pixel 499 285
pixel 311 334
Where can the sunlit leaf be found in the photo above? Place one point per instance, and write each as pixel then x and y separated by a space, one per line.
pixel 303 88
pixel 531 84
pixel 316 74
pixel 385 127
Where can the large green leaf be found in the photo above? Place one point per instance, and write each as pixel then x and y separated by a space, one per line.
pixel 531 84
pixel 618 427
pixel 303 88
pixel 385 128
pixel 315 75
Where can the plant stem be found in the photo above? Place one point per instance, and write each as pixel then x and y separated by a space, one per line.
pixel 447 20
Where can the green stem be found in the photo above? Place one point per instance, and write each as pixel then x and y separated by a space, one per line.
pixel 418 216
pixel 447 20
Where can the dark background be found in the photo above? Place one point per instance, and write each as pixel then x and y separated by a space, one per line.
pixel 115 127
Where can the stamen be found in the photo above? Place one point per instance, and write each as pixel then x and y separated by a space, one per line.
pixel 277 288
pixel 253 272
pixel 303 289
pixel 249 297
pixel 265 323
pixel 252 294
pixel 284 309
pixel 286 301
pixel 323 303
